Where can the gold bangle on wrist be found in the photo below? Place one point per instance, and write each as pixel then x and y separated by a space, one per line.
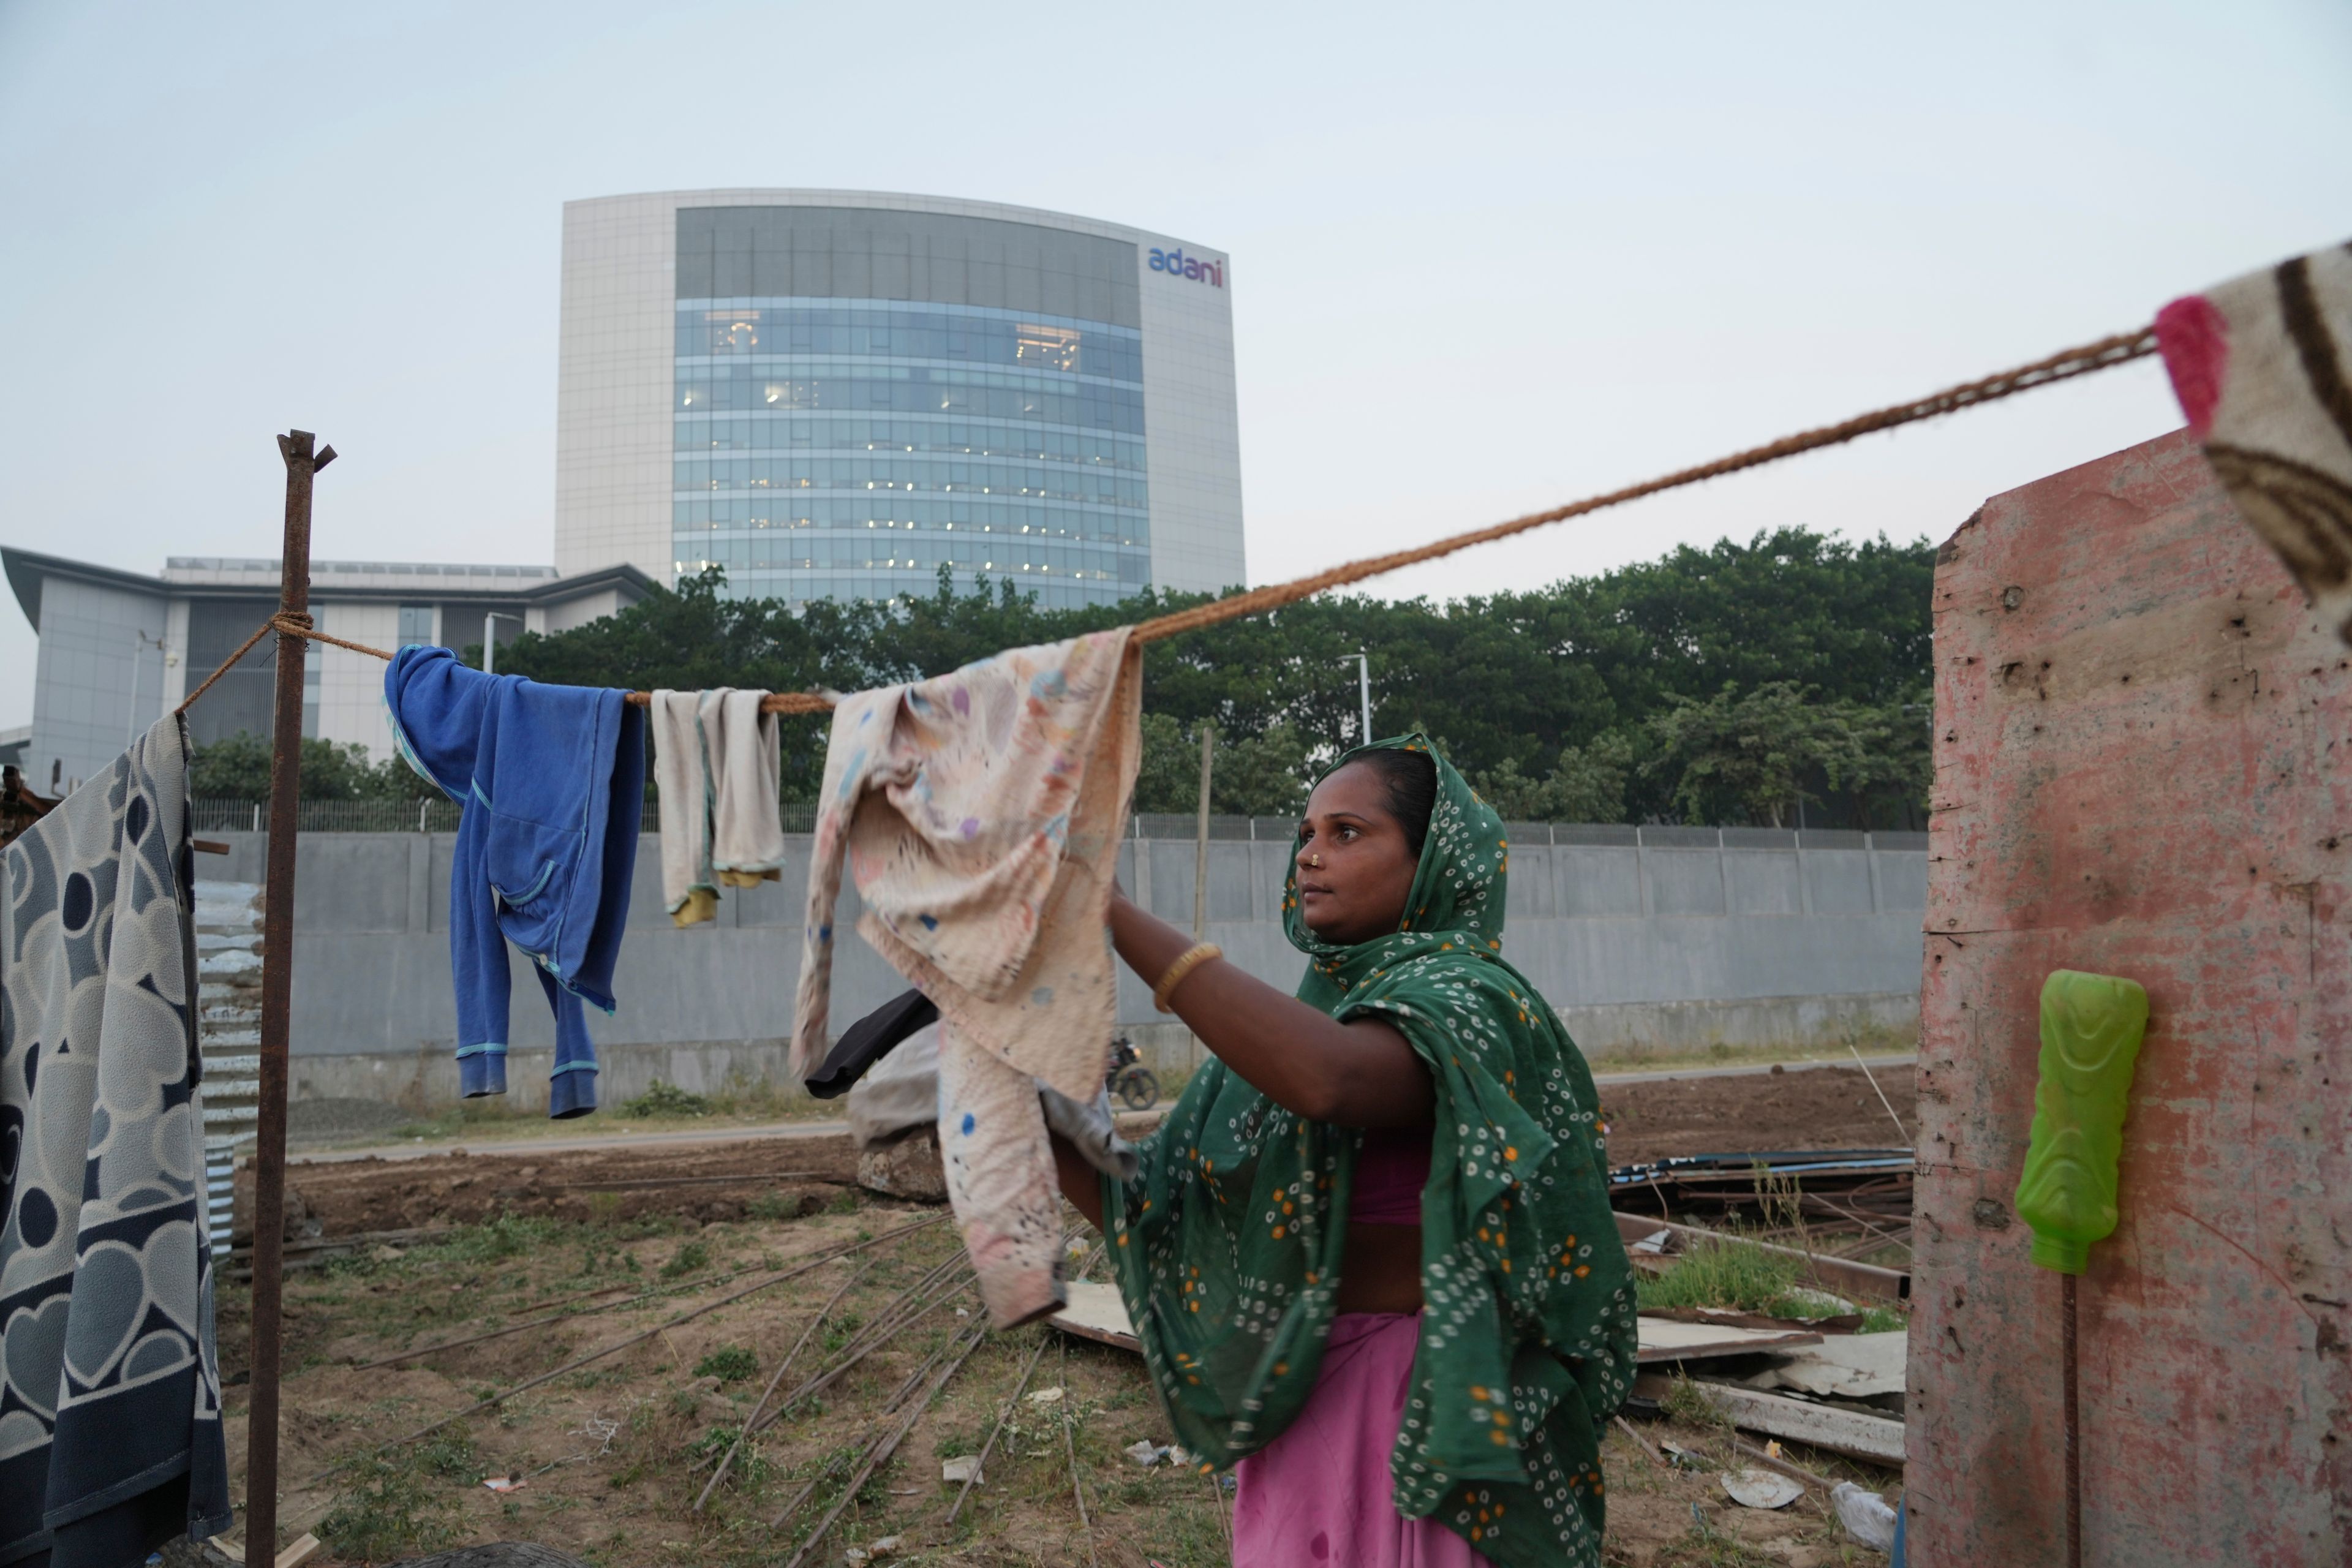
pixel 1192 959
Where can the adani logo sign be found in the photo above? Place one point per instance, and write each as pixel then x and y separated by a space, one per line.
pixel 1192 266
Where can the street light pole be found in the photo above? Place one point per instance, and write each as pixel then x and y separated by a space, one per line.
pixel 1364 693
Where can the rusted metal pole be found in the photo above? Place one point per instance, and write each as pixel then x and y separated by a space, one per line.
pixel 302 464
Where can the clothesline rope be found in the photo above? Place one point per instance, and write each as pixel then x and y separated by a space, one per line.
pixel 2106 353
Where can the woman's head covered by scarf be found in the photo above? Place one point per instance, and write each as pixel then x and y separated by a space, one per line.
pixel 1460 877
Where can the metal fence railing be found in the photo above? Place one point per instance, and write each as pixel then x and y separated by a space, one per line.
pixel 441 817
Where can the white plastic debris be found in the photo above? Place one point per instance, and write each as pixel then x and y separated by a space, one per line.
pixel 961 1468
pixel 1654 1243
pixel 1759 1487
pixel 514 1483
pixel 1146 1452
pixel 1046 1396
pixel 1865 1515
pixel 1180 1455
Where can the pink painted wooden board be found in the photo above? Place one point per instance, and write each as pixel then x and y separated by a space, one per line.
pixel 2144 767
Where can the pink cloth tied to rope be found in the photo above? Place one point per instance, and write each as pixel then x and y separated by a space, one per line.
pixel 980 814
pixel 2263 367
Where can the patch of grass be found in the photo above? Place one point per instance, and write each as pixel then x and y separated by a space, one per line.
pixel 774 1205
pixel 692 1256
pixel 1727 1273
pixel 664 1098
pixel 839 1329
pixel 392 1511
pixel 844 1202
pixel 508 1236
pixel 733 1364
pixel 1882 1320
pixel 1685 1404
pixel 1710 1549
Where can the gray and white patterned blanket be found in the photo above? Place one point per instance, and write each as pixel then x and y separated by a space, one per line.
pixel 110 1438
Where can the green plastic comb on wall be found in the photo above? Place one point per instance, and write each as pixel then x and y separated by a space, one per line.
pixel 2092 1026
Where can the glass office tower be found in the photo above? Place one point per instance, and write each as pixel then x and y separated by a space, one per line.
pixel 862 390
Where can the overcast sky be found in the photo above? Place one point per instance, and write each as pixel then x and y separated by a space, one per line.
pixel 1485 258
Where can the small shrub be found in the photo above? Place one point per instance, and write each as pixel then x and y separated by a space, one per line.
pixel 391 1512
pixel 733 1364
pixel 666 1099
pixel 775 1205
pixel 450 1453
pixel 686 1260
pixel 750 1469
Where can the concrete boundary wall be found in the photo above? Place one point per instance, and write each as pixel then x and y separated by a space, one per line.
pixel 1640 947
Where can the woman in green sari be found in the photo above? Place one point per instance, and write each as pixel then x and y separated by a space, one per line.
pixel 1369 1254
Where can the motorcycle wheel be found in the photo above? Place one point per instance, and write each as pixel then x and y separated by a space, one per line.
pixel 1137 1088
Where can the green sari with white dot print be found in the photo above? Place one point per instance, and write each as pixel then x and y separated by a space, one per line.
pixel 1228 1240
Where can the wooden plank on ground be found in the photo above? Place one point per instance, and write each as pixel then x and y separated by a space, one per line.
pixel 1096 1312
pixel 1877 1438
pixel 1664 1339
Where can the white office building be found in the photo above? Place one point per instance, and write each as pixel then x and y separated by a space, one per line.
pixel 834 393
pixel 119 649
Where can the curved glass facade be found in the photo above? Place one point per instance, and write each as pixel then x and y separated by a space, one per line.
pixel 830 446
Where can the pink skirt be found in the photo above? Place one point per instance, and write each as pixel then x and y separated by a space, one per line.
pixel 1319 1494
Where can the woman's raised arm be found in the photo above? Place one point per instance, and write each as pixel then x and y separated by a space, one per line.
pixel 1360 1074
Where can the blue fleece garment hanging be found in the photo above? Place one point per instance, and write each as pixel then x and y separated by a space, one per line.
pixel 551 779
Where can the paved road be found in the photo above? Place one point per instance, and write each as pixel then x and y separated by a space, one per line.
pixel 688 1137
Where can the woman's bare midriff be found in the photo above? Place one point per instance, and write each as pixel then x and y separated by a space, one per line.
pixel 1381 1271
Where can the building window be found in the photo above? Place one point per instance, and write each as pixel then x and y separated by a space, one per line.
pixel 416 624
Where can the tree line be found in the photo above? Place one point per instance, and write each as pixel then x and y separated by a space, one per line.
pixel 1781 680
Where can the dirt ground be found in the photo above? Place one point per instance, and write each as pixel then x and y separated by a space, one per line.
pixel 1817 1108
pixel 613 1453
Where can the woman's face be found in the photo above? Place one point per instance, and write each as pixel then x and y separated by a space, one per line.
pixel 1355 865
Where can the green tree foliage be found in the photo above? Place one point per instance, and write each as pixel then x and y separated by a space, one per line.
pixel 1721 684
pixel 1753 755
pixel 1250 775
pixel 238 768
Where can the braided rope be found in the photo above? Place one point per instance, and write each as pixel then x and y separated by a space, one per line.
pixel 258 633
pixel 2119 349
pixel 2105 353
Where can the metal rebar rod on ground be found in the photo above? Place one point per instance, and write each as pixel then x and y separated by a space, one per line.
pixel 597 1356
pixel 899 1314
pixel 1002 1417
pixel 768 1392
pixel 880 1452
pixel 638 1299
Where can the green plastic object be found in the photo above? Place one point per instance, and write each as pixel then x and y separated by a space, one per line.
pixel 2091 1029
